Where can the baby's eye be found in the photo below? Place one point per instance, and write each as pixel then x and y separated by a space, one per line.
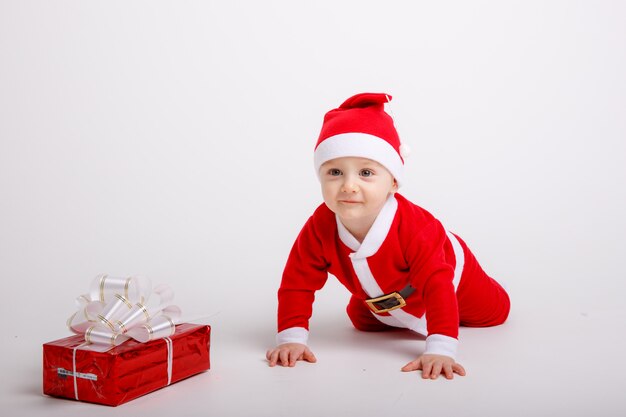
pixel 334 172
pixel 366 173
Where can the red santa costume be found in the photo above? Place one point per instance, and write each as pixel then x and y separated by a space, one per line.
pixel 406 247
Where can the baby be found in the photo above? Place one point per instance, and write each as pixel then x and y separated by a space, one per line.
pixel 403 269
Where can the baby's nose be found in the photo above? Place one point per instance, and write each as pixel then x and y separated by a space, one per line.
pixel 350 186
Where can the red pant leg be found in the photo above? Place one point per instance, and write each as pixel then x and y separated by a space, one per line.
pixel 482 301
pixel 362 317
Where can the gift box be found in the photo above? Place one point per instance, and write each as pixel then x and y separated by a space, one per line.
pixel 125 372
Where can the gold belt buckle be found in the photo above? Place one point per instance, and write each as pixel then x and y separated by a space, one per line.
pixel 373 301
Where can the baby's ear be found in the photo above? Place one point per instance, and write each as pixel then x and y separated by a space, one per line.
pixel 395 186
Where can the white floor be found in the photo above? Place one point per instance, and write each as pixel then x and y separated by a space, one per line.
pixel 545 360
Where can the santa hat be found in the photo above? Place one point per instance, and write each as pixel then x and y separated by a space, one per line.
pixel 361 128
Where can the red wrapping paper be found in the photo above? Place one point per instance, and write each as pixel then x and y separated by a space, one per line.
pixel 127 371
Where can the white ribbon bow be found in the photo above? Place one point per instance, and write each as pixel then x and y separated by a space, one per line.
pixel 117 309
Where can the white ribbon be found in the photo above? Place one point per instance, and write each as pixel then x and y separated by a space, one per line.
pixel 170 357
pixel 117 309
pixel 74 371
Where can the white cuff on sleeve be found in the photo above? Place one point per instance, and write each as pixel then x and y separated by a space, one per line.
pixel 438 344
pixel 293 335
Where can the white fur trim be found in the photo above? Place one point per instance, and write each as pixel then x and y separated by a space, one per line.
pixel 400 318
pixel 361 145
pixel 405 150
pixel 375 236
pixel 293 335
pixel 346 237
pixel 366 279
pixel 460 260
pixel 438 344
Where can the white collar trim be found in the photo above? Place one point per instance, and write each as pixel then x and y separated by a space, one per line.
pixel 375 236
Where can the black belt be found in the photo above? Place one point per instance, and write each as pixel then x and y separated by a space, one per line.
pixel 391 301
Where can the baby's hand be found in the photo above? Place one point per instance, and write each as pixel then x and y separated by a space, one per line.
pixel 433 365
pixel 288 353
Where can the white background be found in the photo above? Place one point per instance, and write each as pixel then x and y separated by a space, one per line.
pixel 175 139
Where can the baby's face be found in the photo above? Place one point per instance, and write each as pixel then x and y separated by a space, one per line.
pixel 356 188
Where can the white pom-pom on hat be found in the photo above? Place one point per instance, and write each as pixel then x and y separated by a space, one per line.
pixel 405 150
